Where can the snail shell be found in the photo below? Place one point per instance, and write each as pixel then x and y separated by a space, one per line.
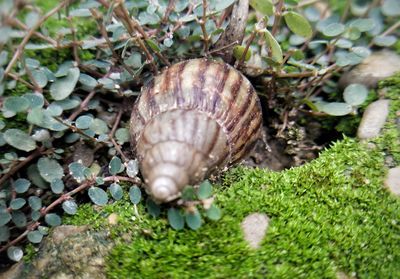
pixel 192 120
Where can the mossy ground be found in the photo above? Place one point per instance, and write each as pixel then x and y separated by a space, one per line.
pixel 328 216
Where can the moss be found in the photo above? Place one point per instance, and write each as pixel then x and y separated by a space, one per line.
pixel 328 216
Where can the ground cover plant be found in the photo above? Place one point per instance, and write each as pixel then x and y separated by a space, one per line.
pixel 70 70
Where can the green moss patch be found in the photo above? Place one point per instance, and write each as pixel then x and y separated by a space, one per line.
pixel 331 215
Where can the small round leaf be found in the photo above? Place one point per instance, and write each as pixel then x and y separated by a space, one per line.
pixel 83 122
pixel 64 86
pixel 175 219
pixel 4 233
pixel 16 104
pixel 35 203
pixel 70 207
pixel 57 186
pixel 213 213
pixel 15 253
pixel 52 219
pixel 135 194
pixel 132 168
pixel 21 185
pixel 5 217
pixel 98 195
pixel 115 165
pixel 355 94
pixel 205 190
pixel 35 236
pixel 336 108
pixel 19 139
pixel 153 208
pixel 116 191
pixel 298 24
pixel 50 169
pixel 193 220
pixel 17 203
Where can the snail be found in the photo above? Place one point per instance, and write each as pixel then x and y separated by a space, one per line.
pixel 195 118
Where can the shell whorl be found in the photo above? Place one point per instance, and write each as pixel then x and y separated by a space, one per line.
pixel 194 118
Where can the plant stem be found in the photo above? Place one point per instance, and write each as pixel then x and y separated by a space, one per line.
pixel 31 31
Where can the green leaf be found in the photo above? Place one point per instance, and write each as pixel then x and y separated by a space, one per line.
pixel 223 4
pixel 135 195
pixel 175 219
pixel 385 41
pixel 35 237
pixel 213 213
pixel 40 78
pixel 5 217
pixel 98 195
pixel 132 168
pixel 77 170
pixel 122 135
pixel 15 253
pixel 391 8
pixel 355 94
pixel 238 52
pixel 153 45
pixel 99 126
pixel 115 165
pixel 147 18
pixel 205 190
pixel 50 169
pixel 19 140
pixel 363 24
pixel 116 191
pixel 193 220
pixel 188 193
pixel 21 185
pixel 134 61
pixel 17 203
pixel 263 6
pixel 4 233
pixel 70 207
pixel 19 219
pixel 35 203
pixel 336 108
pixel 57 186
pixel 333 29
pixel 153 208
pixel 64 86
pixel 275 47
pixel 35 100
pixel 298 24
pixel 52 219
pixel 83 122
pixel 88 81
pixel 16 104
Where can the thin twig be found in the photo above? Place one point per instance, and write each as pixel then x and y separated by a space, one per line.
pixel 111 136
pixel 202 23
pixel 82 106
pixel 39 23
pixel 39 151
pixel 278 16
pixel 103 32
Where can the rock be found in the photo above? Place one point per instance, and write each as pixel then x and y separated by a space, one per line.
pixel 379 65
pixel 14 272
pixel 71 252
pixel 392 181
pixel 113 219
pixel 61 232
pixel 373 119
pixel 254 227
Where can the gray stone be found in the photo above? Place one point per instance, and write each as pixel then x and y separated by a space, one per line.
pixel 392 181
pixel 379 65
pixel 254 227
pixel 373 119
pixel 71 252
pixel 14 272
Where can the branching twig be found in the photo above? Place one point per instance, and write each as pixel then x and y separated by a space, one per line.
pixel 31 31
pixel 82 106
pixel 202 23
pixel 111 136
pixel 39 151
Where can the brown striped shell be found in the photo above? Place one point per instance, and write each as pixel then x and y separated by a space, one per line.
pixel 193 119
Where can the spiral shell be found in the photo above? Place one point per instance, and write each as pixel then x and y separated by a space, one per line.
pixel 192 120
